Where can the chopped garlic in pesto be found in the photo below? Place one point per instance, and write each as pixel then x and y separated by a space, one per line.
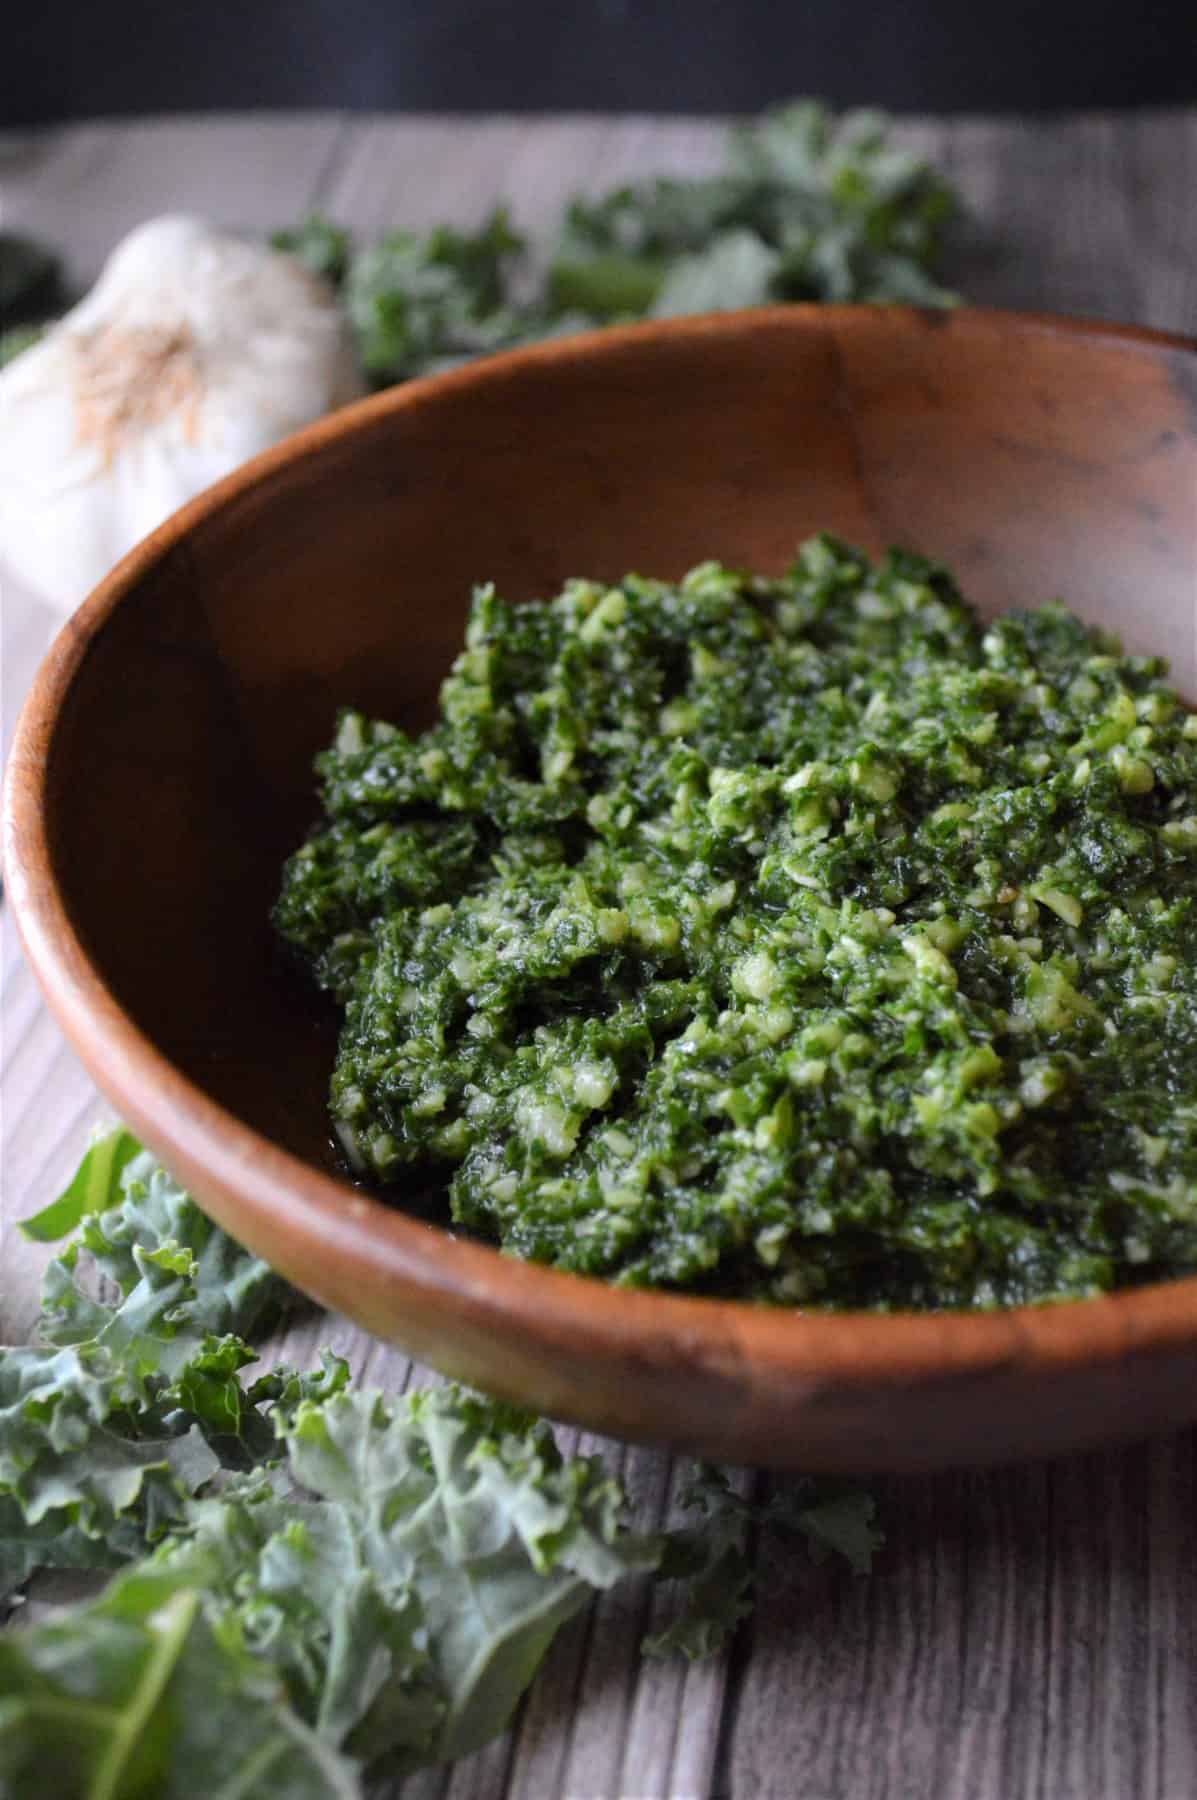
pixel 801 939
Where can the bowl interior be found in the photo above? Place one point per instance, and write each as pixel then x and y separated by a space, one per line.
pixel 1037 459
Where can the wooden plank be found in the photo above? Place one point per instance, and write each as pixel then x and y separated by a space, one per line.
pixel 418 173
pixel 47 1103
pixel 1155 172
pixel 1032 1632
pixel 1086 217
pixel 49 1108
pixel 81 188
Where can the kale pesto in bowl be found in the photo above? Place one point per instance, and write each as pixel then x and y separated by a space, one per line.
pixel 806 940
pixel 840 1052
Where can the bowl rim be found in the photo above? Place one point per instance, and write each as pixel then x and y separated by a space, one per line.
pixel 274 1188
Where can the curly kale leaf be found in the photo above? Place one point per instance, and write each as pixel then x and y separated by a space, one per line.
pixel 94 1187
pixel 88 1476
pixel 394 1572
pixel 419 303
pixel 712 1561
pixel 135 1693
pixel 375 1596
pixel 180 1281
pixel 130 1404
pixel 323 248
pixel 465 1509
pixel 399 1596
pixel 810 208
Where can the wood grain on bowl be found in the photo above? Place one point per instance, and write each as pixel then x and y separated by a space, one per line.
pixel 162 770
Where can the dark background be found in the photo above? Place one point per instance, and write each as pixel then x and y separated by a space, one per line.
pixel 65 59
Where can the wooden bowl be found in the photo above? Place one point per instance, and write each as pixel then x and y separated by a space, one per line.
pixel 162 771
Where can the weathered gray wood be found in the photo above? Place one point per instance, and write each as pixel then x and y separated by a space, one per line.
pixel 47 1103
pixel 1087 217
pixel 420 172
pixel 1031 1632
pixel 83 187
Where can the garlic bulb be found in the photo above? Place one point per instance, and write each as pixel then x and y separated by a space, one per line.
pixel 193 351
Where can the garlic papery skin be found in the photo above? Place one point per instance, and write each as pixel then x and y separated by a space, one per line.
pixel 193 351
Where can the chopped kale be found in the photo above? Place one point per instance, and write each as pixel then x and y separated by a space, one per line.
pixel 803 939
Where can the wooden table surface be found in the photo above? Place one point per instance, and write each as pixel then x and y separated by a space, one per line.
pixel 1029 1632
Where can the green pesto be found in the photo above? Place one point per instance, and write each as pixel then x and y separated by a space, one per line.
pixel 802 939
